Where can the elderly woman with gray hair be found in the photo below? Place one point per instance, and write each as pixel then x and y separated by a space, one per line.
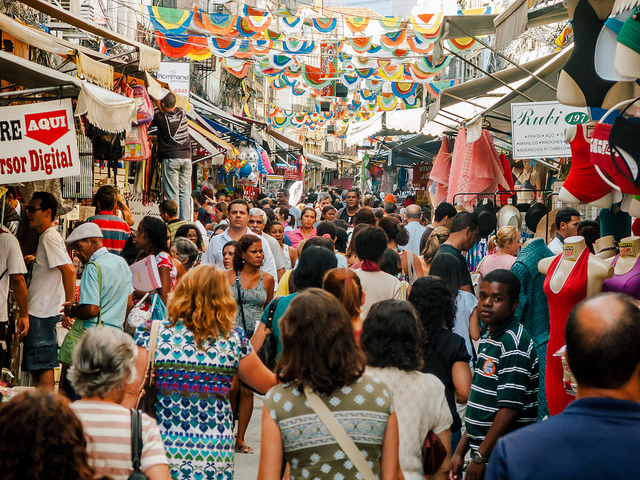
pixel 103 367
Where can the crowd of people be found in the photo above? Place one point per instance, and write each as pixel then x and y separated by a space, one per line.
pixel 381 341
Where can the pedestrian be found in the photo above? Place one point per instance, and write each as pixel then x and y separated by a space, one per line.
pixel 283 216
pixel 328 214
pixel 329 230
pixel 596 435
pixel 507 242
pixel 567 220
pixel 228 252
pixel 306 230
pixel 282 200
pixel 103 366
pixel 415 229
pixel 184 254
pixel 53 282
pixel 444 352
pixel 190 231
pixel 174 151
pixel 370 245
pixel 392 342
pixel 398 236
pixel 199 336
pixel 12 272
pixel 345 285
pixel 169 215
pixel 439 235
pixel 275 230
pixel 238 227
pixel 462 236
pixel 442 217
pixel 320 357
pixel 115 230
pixel 253 290
pixel 504 392
pixel 348 212
pixel 257 221
pixel 40 437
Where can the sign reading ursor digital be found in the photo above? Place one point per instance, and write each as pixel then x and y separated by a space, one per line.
pixel 38 142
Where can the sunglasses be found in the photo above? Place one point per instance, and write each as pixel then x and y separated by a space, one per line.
pixel 33 209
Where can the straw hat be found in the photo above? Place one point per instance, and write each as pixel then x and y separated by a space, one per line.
pixel 551 229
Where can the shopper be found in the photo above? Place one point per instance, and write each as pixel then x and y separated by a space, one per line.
pixel 320 354
pixel 174 150
pixel 190 231
pixel 282 200
pixel 345 285
pixel 415 228
pixel 228 253
pixel 439 235
pixel 53 282
pixel 398 236
pixel 348 212
pixel 169 215
pixel 306 230
pixel 257 221
pixel 462 236
pixel 567 220
pixel 275 229
pixel 12 263
pixel 184 254
pixel 506 241
pixel 115 230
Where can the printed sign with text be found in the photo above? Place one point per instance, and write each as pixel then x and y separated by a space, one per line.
pixel 177 75
pixel 38 142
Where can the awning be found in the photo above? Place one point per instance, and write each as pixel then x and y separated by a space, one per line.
pixel 148 58
pixel 321 161
pixel 216 158
pixel 388 124
pixel 271 131
pixel 105 109
pixel 211 137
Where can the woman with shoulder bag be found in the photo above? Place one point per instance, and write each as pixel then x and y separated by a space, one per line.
pixel 323 393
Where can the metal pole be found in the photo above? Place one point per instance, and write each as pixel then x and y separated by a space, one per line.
pixel 32 91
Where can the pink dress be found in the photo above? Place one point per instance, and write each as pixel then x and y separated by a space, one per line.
pixel 295 236
pixel 440 171
pixel 495 262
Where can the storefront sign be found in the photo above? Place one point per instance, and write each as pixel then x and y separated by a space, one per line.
pixel 139 211
pixel 421 174
pixel 177 75
pixel 289 173
pixel 38 142
pixel 538 128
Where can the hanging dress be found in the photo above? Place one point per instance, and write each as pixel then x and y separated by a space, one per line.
pixel 561 303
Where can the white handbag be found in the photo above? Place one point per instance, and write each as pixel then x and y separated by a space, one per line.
pixel 137 316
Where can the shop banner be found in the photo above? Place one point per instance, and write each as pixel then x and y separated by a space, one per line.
pixel 538 128
pixel 38 142
pixel 177 75
pixel 421 174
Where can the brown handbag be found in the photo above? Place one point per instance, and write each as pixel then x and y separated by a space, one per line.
pixel 433 454
pixel 149 392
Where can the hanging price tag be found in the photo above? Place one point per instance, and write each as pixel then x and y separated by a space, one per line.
pixel 626 249
pixel 569 252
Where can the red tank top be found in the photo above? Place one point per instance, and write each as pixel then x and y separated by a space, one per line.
pixel 561 303
pixel 583 182
pixel 601 157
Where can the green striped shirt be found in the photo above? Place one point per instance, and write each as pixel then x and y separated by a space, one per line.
pixel 506 376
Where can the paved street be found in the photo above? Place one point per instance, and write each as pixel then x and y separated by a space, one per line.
pixel 247 465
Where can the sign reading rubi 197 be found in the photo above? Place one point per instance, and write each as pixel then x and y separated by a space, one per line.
pixel 538 128
pixel 38 142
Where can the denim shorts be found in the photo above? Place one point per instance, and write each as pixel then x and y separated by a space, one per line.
pixel 41 344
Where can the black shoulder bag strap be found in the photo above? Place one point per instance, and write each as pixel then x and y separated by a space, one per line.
pixel 271 314
pixel 136 440
pixel 244 323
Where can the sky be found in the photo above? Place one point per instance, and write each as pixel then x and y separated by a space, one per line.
pixel 383 7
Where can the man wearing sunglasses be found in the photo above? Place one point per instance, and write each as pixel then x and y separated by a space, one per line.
pixel 53 282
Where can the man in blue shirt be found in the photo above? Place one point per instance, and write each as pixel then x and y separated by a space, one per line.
pixel 597 435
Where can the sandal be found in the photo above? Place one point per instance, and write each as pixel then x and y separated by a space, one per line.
pixel 244 449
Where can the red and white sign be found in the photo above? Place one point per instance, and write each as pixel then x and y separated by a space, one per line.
pixel 421 174
pixel 38 142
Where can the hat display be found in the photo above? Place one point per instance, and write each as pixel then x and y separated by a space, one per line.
pixel 627 56
pixel 523 207
pixel 487 221
pixel 86 230
pixel 606 47
pixel 547 226
pixel 534 214
pixel 509 215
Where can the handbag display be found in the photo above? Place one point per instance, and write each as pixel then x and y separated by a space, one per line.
pixel 148 393
pixel 268 352
pixel 338 433
pixel 136 446
pixel 65 356
pixel 433 454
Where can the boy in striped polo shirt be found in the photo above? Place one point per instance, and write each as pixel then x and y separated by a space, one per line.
pixel 505 383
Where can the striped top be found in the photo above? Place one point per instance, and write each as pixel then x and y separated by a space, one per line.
pixel 506 376
pixel 115 231
pixel 108 430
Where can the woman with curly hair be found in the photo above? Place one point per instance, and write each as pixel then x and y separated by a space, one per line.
pixel 199 351
pixel 444 352
pixel 398 236
pixel 40 437
pixel 392 341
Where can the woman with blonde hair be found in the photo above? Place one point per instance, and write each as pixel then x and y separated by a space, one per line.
pixel 345 285
pixel 199 350
pixel 438 236
pixel 506 241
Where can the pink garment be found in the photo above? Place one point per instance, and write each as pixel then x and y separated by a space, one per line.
pixel 265 162
pixel 508 176
pixel 441 170
pixel 496 262
pixel 475 168
pixel 295 236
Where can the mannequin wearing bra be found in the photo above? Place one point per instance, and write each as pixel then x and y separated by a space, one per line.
pixel 626 269
pixel 605 247
pixel 578 83
pixel 583 184
pixel 530 177
pixel 571 277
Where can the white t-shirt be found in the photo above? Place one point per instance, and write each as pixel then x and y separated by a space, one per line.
pixel 465 303
pixel 11 263
pixel 377 286
pixel 46 291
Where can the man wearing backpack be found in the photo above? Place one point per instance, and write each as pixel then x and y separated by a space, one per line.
pixel 174 149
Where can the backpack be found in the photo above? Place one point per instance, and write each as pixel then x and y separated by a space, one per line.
pixel 136 146
pixel 144 115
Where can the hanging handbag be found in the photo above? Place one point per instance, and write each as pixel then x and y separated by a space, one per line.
pixel 138 315
pixel 65 356
pixel 149 392
pixel 341 437
pixel 269 349
pixel 136 446
pixel 433 454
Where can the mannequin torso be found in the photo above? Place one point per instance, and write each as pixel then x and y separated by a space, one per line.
pixel 605 247
pixel 629 254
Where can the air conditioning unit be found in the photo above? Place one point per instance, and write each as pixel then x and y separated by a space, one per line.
pixel 331 129
pixel 296 107
pixel 325 106
pixel 341 90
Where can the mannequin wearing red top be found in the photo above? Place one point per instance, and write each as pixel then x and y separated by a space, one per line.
pixel 572 276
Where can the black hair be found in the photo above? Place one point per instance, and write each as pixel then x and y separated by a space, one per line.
pixel 11 191
pixel 284 192
pixel 327 209
pixel 390 262
pixel 462 221
pixel 353 190
pixel 340 223
pixel 446 267
pixel 606 360
pixel 243 244
pixel 238 201
pixel 378 213
pixel 564 215
pixel 392 336
pixel 313 263
pixel 231 243
pixel 327 227
pixel 197 196
pixel 105 198
pixel 504 277
pixel 319 242
pixel 342 238
pixel 365 215
pixel 183 230
pixel 169 100
pixel 436 310
pixel 390 207
pixel 444 210
pixel 590 230
pixel 371 242
pixel 47 202
pixel 271 223
pixel 270 213
pixel 394 230
pixel 156 231
pixel 169 208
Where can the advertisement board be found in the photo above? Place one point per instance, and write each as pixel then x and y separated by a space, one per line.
pixel 38 142
pixel 177 75
pixel 538 128
pixel 421 174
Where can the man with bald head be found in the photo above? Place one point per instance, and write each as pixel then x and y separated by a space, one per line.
pixel 415 229
pixel 597 435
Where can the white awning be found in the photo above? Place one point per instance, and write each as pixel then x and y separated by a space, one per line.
pixel 321 161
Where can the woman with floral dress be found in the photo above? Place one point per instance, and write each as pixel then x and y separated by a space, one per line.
pixel 199 350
